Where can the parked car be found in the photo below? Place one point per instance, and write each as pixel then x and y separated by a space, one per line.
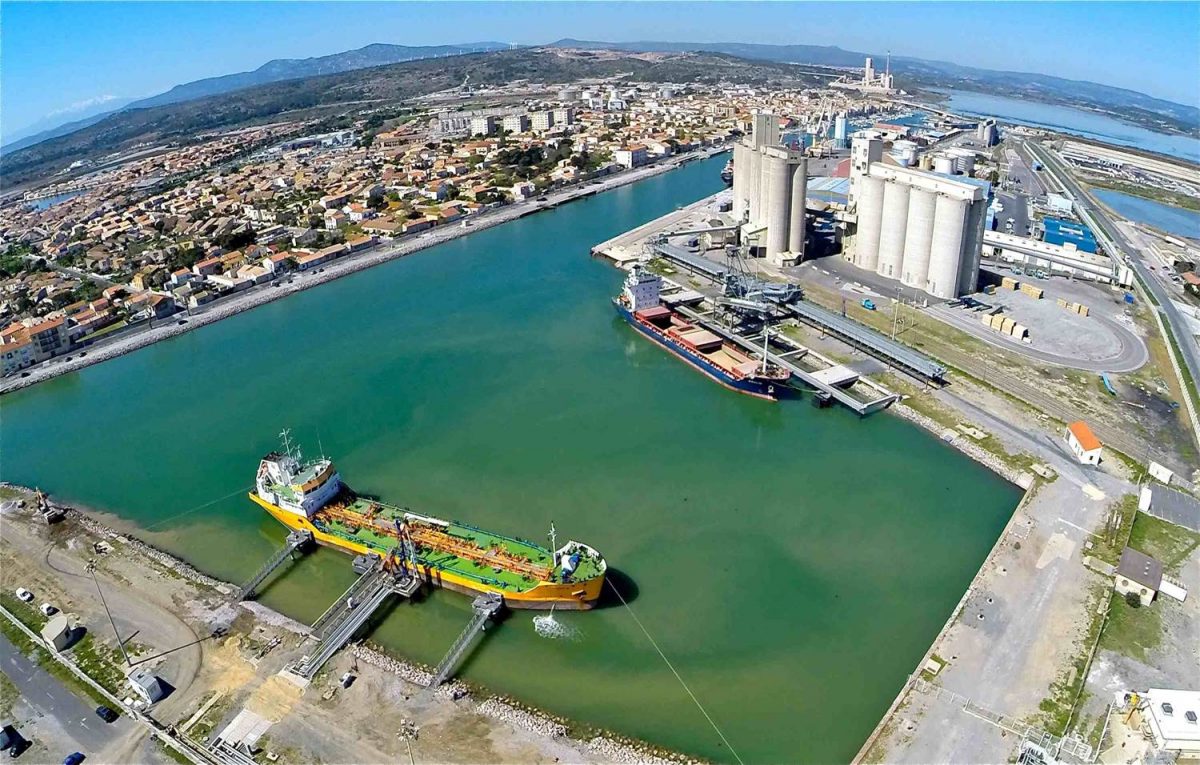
pixel 47 609
pixel 24 595
pixel 106 714
pixel 74 758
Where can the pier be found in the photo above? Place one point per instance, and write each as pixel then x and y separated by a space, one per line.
pixel 823 376
pixel 486 607
pixel 337 625
pixel 297 541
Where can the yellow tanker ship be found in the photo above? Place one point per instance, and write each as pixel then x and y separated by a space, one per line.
pixel 310 496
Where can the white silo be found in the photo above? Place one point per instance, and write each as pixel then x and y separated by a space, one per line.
pixel 891 231
pixel 968 267
pixel 918 237
pixel 840 124
pixel 796 219
pixel 779 194
pixel 964 160
pixel 949 230
pixel 943 165
pixel 755 183
pixel 741 180
pixel 870 218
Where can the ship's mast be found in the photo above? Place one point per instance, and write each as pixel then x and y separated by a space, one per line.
pixel 285 436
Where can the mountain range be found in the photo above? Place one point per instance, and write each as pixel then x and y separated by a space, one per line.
pixel 929 73
pixel 276 70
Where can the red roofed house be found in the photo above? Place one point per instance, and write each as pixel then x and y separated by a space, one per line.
pixel 1083 443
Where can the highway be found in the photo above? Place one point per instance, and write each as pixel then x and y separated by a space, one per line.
pixel 1117 245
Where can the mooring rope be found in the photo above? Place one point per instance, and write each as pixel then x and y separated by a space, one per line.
pixel 197 508
pixel 675 672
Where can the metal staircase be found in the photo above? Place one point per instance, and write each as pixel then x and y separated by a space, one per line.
pixel 296 540
pixel 485 607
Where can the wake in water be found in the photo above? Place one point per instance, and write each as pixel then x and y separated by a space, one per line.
pixel 548 627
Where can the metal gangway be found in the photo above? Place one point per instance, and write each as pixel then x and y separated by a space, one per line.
pixel 355 593
pixel 296 540
pixel 350 615
pixel 485 607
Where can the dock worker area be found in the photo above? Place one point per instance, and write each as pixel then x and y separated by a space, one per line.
pixel 708 278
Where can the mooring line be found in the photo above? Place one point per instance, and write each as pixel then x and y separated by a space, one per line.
pixel 675 672
pixel 168 519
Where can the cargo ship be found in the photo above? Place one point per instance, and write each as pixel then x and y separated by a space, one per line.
pixel 309 495
pixel 640 304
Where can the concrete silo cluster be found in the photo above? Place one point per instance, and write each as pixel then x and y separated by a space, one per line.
pixel 923 229
pixel 770 183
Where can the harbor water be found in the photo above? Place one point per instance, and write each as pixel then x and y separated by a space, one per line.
pixel 792 563
pixel 1168 218
pixel 1066 119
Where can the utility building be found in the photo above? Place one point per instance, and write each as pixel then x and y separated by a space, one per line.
pixel 923 229
pixel 770 183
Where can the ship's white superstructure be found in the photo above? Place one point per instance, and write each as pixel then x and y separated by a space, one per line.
pixel 641 289
pixel 298 487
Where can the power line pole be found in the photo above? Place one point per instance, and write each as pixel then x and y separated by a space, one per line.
pixel 91 569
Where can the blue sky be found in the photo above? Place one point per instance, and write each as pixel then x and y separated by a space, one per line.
pixel 56 56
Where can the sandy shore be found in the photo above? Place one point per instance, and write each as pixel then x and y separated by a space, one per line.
pixel 265 293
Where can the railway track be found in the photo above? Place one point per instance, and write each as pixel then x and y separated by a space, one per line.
pixel 1129 445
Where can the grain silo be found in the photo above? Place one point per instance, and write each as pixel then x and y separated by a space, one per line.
pixel 949 231
pixel 870 219
pixel 892 229
pixel 779 196
pixel 796 209
pixel 918 238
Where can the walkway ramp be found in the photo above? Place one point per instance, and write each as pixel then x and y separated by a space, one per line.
pixel 296 541
pixel 485 607
pixel 347 620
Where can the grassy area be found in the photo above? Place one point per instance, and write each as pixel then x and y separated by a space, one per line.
pixel 205 725
pixel 1170 544
pixel 8 696
pixel 99 662
pixel 107 330
pixel 171 754
pixel 1067 691
pixel 1132 632
pixel 9 493
pixel 1119 515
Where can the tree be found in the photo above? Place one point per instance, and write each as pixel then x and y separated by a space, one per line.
pixel 1133 600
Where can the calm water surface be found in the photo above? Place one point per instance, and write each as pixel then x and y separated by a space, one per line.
pixel 1066 119
pixel 1169 218
pixel 793 563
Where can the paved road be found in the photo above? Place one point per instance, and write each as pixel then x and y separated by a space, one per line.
pixel 1132 255
pixel 44 693
pixel 1016 206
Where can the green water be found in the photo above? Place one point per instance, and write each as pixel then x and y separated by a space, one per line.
pixel 793 563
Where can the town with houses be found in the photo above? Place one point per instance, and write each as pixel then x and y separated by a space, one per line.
pixel 169 232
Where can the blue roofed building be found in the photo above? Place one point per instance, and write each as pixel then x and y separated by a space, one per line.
pixel 1067 232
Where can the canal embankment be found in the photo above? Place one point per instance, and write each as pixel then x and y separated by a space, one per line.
pixel 202 601
pixel 294 282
